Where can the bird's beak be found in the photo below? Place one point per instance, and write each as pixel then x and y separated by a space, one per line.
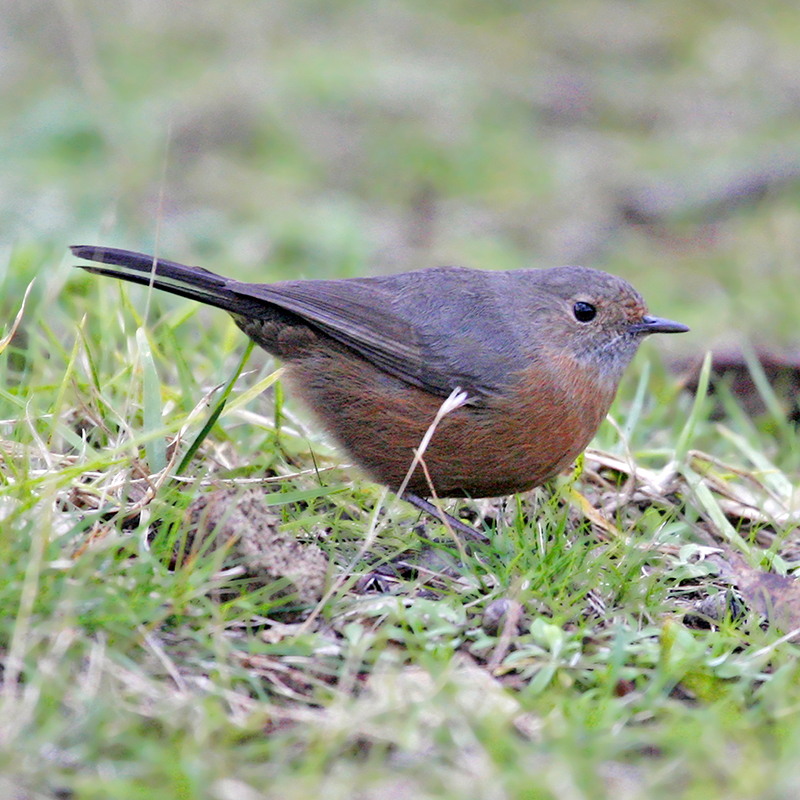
pixel 650 324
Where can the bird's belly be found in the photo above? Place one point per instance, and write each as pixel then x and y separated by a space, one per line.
pixel 508 444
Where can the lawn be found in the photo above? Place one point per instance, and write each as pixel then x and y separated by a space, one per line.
pixel 201 599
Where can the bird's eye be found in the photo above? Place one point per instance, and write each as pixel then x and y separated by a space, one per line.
pixel 584 312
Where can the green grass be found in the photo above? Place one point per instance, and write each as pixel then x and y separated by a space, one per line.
pixel 614 639
pixel 570 655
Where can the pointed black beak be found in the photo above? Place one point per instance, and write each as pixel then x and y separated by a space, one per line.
pixel 650 324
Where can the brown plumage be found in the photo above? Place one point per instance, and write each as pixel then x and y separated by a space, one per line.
pixel 540 354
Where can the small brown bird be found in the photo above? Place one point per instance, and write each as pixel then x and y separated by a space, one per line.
pixel 539 352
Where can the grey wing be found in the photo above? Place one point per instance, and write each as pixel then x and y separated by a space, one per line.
pixel 436 336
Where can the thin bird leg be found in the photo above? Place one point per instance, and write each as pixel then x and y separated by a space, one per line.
pixel 445 518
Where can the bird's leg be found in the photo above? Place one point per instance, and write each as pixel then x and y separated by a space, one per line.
pixel 447 519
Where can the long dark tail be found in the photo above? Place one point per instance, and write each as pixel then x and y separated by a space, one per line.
pixel 195 283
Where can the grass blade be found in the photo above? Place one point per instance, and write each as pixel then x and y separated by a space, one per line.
pixel 155 447
pixel 215 414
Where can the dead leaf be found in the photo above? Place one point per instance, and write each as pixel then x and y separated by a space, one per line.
pixel 777 597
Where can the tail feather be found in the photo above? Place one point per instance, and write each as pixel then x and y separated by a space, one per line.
pixel 195 283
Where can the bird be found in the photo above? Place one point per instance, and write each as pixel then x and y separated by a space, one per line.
pixel 538 353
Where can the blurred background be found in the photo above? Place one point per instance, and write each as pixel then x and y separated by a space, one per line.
pixel 659 141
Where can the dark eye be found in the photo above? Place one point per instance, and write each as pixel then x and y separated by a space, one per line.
pixel 584 312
